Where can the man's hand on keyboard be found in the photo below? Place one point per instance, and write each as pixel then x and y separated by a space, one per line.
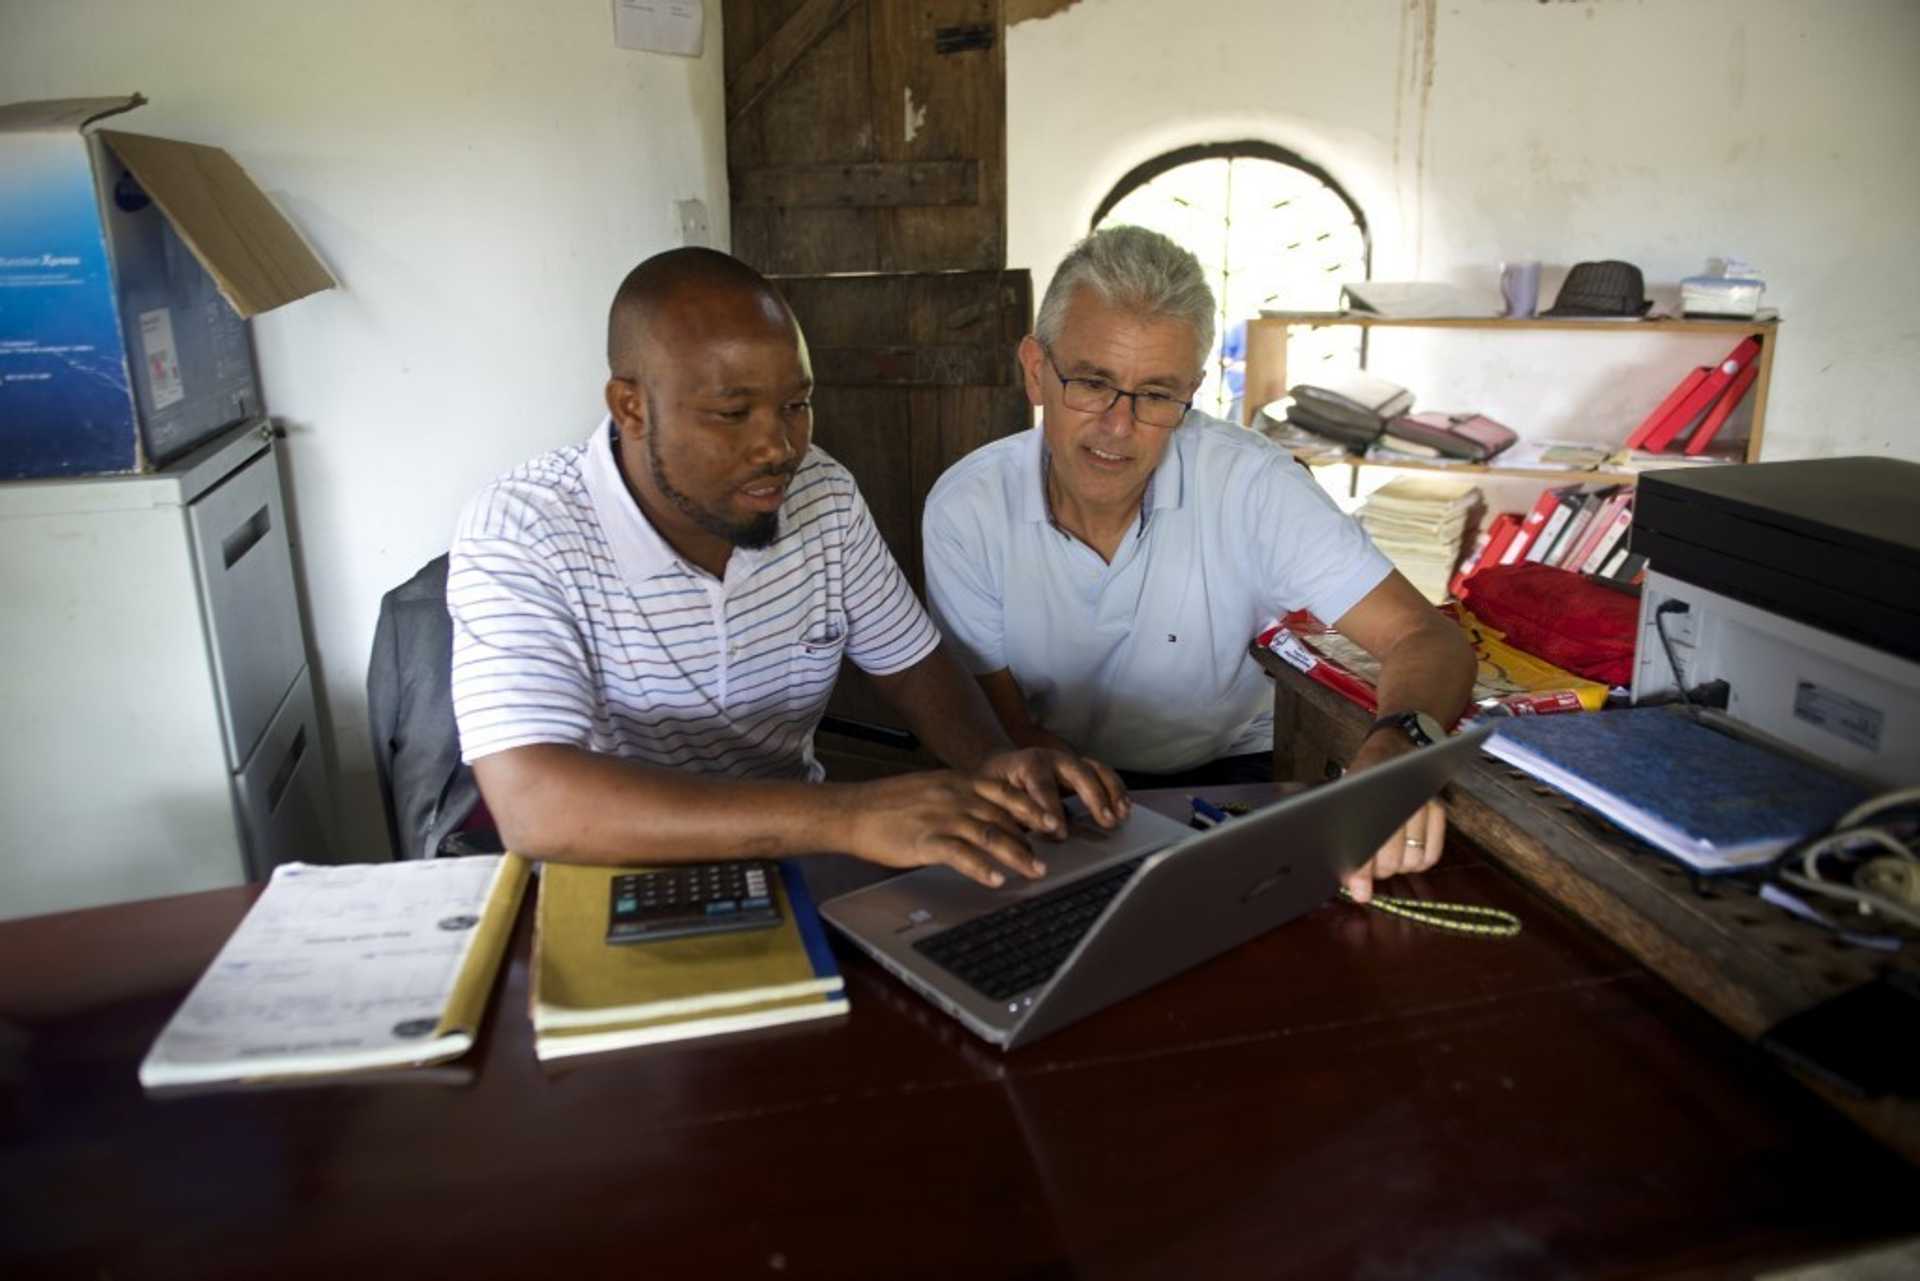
pixel 971 822
pixel 1041 774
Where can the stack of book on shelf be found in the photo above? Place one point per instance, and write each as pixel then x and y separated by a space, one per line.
pixel 589 996
pixel 1420 523
pixel 1634 461
pixel 1715 802
pixel 1584 528
pixel 1556 455
pixel 1727 296
pixel 1699 406
pixel 347 973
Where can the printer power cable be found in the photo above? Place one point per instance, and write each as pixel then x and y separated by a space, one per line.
pixel 1666 642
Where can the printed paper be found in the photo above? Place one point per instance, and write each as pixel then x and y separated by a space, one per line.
pixel 660 26
pixel 163 359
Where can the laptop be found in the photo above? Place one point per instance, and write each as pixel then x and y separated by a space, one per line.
pixel 1120 911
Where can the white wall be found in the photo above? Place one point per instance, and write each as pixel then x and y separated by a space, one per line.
pixel 1658 131
pixel 479 174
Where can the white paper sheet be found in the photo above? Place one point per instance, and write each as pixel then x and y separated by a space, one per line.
pixel 660 26
pixel 333 968
pixel 163 359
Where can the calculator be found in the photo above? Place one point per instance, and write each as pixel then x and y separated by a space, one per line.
pixel 692 898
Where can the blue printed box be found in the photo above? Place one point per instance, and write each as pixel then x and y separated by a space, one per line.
pixel 129 266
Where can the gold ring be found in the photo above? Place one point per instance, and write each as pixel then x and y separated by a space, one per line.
pixel 1416 844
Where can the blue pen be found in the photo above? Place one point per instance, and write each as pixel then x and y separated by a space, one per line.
pixel 1207 812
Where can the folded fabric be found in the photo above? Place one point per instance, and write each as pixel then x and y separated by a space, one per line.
pixel 1565 618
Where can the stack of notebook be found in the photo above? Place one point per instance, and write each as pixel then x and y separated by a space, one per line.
pixel 589 995
pixel 1421 523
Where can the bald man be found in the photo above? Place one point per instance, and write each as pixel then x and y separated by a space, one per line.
pixel 647 625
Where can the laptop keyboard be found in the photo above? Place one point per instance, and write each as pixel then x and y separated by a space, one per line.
pixel 1019 947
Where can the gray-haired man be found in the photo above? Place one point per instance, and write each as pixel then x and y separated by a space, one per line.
pixel 1103 575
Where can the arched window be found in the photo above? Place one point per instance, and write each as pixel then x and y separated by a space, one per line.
pixel 1271 229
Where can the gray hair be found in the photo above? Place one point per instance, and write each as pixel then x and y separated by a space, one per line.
pixel 1133 268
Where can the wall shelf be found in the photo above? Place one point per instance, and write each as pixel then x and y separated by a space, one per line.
pixel 1552 475
pixel 1266 378
pixel 1663 324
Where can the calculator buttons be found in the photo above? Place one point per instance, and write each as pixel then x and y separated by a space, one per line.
pixel 670 902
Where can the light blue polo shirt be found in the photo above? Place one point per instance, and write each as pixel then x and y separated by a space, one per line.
pixel 1142 663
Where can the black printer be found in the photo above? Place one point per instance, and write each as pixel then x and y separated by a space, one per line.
pixel 1830 542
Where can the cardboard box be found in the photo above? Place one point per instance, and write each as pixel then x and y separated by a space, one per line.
pixel 129 266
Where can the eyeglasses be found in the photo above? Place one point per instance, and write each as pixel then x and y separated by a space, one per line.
pixel 1097 396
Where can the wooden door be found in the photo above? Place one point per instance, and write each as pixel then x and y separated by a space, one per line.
pixel 867 135
pixel 913 371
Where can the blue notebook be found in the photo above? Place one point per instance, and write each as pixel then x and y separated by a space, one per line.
pixel 1716 802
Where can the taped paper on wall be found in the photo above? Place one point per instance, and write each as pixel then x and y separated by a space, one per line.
pixel 660 26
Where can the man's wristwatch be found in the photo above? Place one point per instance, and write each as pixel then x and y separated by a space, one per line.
pixel 1418 726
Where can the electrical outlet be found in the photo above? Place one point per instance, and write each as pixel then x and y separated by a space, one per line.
pixel 692 215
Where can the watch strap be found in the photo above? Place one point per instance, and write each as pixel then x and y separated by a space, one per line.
pixel 1407 723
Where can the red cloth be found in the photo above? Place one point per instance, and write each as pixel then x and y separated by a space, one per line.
pixel 1563 617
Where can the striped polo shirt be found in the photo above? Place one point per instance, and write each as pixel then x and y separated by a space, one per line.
pixel 575 622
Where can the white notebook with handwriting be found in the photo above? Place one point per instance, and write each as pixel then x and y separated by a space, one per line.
pixel 344 969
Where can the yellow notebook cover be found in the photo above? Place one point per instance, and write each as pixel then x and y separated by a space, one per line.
pixel 559 1043
pixel 582 981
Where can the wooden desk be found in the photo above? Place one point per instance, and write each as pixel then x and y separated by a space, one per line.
pixel 1348 1096
pixel 1745 962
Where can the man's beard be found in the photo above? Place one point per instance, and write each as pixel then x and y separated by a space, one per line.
pixel 757 532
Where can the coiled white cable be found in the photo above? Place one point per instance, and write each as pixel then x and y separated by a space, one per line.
pixel 1888 884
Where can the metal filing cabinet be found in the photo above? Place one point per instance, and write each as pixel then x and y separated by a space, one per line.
pixel 158 711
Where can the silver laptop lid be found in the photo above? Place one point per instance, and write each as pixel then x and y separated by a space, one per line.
pixel 1224 887
pixel 887 919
